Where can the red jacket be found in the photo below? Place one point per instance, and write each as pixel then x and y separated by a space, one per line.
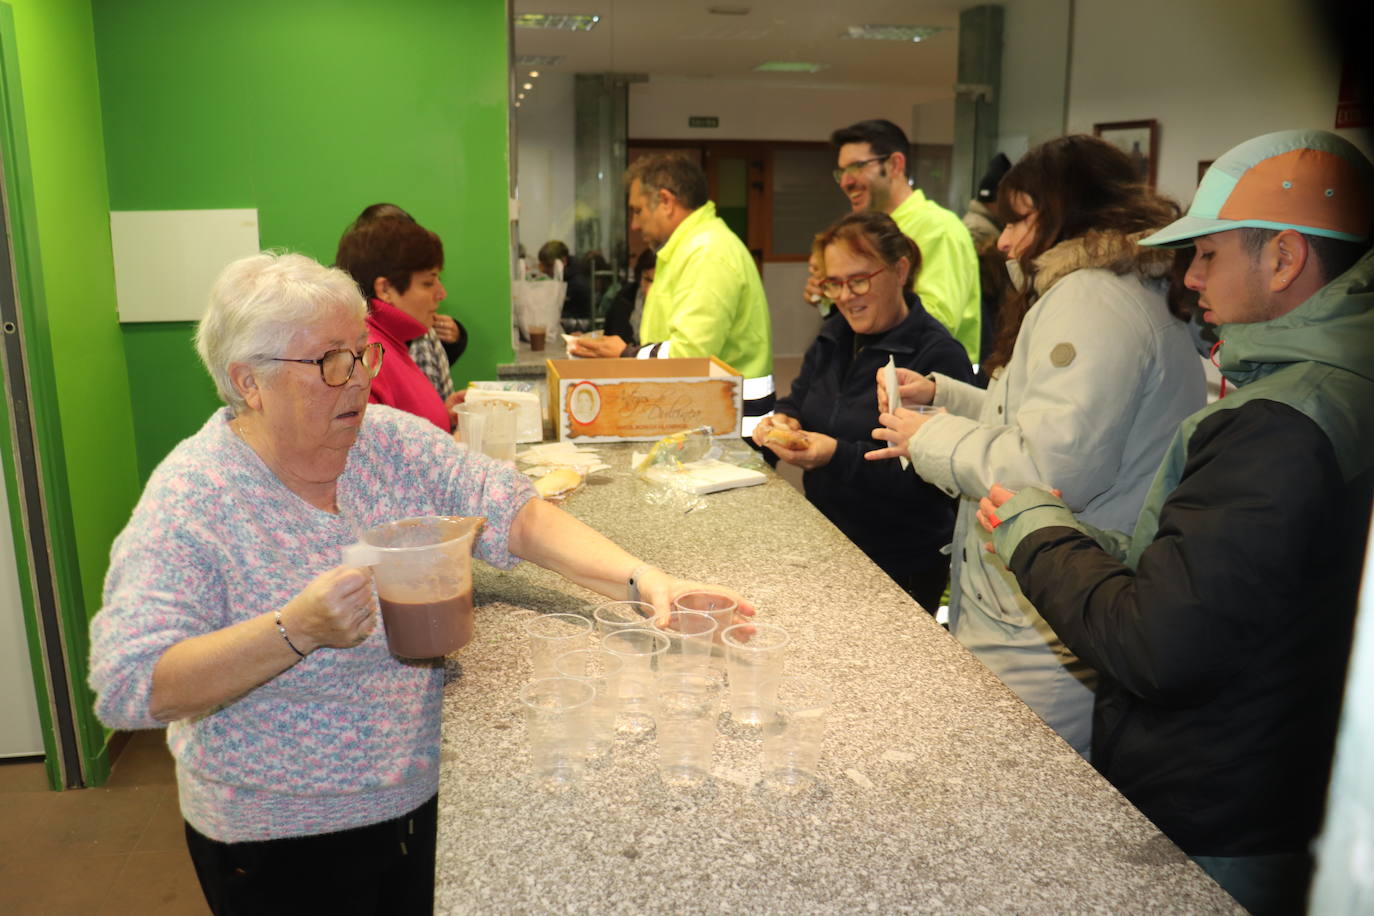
pixel 401 383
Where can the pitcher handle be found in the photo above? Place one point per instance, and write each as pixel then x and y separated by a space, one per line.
pixel 361 555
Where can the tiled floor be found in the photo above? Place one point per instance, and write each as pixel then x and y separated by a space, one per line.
pixel 113 850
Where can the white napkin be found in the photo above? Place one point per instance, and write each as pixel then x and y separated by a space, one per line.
pixel 894 397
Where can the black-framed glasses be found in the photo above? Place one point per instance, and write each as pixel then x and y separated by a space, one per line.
pixel 858 285
pixel 855 168
pixel 336 366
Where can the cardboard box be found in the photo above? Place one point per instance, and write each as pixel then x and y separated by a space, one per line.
pixel 640 400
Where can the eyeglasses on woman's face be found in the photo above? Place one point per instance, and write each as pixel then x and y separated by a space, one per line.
pixel 336 366
pixel 858 285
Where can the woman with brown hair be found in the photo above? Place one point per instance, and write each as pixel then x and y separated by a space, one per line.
pixel 396 263
pixel 1091 372
pixel 868 268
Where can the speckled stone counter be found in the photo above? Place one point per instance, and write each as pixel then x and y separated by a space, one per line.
pixel 940 791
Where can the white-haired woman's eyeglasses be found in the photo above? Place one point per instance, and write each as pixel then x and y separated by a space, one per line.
pixel 336 366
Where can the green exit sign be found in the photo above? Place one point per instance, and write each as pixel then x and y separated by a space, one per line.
pixel 702 121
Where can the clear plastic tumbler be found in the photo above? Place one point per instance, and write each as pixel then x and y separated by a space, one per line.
pixel 685 710
pixel 640 649
pixel 551 635
pixel 620 615
pixel 754 653
pixel 690 635
pixel 556 713
pixel 602 670
pixel 792 736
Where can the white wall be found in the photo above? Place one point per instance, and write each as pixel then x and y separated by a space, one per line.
pixel 1212 72
pixel 1035 59
pixel 659 110
pixel 795 324
pixel 544 151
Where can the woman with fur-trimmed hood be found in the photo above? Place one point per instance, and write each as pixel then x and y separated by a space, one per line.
pixel 1092 371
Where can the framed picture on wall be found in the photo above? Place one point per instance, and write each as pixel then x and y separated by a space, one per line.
pixel 1202 166
pixel 1137 139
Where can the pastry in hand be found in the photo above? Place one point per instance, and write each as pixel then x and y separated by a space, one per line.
pixel 785 438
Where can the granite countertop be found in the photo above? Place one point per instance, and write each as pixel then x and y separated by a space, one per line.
pixel 939 792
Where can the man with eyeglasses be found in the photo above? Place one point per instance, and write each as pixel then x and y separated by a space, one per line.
pixel 872 165
pixel 707 298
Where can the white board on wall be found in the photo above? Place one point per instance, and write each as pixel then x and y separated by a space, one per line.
pixel 166 260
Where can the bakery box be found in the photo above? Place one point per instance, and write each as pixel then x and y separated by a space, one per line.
pixel 638 400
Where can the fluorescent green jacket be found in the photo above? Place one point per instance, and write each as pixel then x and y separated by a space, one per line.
pixel 948 281
pixel 707 300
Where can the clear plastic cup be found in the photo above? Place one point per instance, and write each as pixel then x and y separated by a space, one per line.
pixel 685 710
pixel 720 607
pixel 602 670
pixel 552 635
pixel 722 610
pixel 640 649
pixel 691 635
pixel 488 426
pixel 556 715
pixel 754 653
pixel 619 615
pixel 792 736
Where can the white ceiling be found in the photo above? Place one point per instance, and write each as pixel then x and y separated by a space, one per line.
pixel 681 39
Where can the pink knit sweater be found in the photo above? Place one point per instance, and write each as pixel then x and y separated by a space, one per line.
pixel 346 737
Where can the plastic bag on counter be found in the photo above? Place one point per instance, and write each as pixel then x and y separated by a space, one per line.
pixel 538 303
pixel 683 467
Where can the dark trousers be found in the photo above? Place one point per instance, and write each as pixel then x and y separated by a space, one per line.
pixel 926 585
pixel 385 868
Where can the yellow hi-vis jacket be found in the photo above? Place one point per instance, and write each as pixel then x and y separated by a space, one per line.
pixel 707 300
pixel 948 282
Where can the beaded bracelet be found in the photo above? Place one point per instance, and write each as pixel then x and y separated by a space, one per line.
pixel 282 630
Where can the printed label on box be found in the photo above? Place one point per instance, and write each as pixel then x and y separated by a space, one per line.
pixel 649 408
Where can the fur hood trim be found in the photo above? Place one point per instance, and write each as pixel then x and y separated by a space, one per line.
pixel 1114 251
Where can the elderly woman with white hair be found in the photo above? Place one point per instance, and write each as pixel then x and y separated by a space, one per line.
pixel 307 755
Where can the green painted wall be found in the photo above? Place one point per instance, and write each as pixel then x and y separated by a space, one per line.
pixel 308 111
pixel 75 350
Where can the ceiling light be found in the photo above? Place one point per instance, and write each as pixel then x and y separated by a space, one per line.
pixel 892 32
pixel 571 22
pixel 537 60
pixel 534 74
pixel 527 86
pixel 789 66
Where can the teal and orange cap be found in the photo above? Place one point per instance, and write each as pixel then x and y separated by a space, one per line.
pixel 1309 180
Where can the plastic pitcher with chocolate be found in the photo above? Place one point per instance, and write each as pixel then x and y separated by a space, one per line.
pixel 423 571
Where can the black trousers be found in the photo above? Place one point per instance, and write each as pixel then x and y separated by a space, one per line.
pixel 385 868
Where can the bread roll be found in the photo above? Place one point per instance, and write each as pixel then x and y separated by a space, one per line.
pixel 785 438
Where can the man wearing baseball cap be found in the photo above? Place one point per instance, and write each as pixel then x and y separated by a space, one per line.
pixel 1221 626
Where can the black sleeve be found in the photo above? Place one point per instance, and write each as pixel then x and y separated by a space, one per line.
pixel 459 346
pixel 1226 568
pixel 619 312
